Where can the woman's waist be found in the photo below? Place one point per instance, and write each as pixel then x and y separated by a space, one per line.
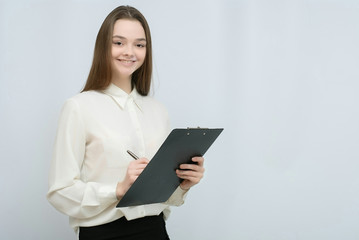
pixel 112 213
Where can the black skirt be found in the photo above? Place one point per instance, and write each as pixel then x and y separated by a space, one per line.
pixel 149 228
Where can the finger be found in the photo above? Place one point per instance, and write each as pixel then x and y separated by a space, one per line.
pixel 136 165
pixel 193 167
pixel 142 160
pixel 192 180
pixel 199 160
pixel 139 163
pixel 184 174
pixel 138 168
pixel 135 172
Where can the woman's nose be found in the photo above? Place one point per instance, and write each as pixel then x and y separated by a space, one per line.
pixel 128 50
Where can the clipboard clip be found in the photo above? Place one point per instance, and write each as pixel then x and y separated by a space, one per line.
pixel 197 128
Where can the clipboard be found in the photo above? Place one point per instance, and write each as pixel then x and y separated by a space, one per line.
pixel 158 180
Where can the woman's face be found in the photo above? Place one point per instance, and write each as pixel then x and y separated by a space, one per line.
pixel 128 48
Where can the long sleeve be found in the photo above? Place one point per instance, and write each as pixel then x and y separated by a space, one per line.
pixel 67 192
pixel 177 198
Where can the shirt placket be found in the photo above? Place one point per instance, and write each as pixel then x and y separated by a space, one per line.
pixel 141 210
pixel 136 123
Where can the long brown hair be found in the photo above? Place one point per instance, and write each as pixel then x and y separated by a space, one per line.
pixel 100 73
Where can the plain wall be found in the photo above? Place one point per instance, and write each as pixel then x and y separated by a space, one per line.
pixel 280 76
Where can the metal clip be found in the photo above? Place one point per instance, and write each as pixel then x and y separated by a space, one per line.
pixel 191 128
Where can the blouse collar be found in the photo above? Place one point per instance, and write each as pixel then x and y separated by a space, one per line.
pixel 121 97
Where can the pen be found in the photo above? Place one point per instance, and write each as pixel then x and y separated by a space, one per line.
pixel 132 154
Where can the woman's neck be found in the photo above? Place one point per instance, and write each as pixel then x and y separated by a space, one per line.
pixel 124 84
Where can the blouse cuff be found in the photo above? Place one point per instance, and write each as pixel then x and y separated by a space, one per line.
pixel 178 197
pixel 108 192
pixel 103 194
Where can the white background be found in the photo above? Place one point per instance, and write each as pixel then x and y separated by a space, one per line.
pixel 280 76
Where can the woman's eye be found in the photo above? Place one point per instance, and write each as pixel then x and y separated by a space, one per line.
pixel 141 45
pixel 118 43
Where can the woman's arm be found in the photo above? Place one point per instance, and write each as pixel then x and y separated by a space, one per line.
pixel 67 192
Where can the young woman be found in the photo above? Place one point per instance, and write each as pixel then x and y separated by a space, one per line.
pixel 91 170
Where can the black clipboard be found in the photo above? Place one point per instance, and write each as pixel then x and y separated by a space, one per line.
pixel 158 180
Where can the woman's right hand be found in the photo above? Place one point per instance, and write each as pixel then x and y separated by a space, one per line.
pixel 134 169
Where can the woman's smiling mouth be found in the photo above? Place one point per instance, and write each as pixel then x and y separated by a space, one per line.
pixel 127 62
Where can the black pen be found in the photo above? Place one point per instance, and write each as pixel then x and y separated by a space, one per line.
pixel 132 154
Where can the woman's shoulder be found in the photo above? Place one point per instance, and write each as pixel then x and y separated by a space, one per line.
pixel 83 100
pixel 85 97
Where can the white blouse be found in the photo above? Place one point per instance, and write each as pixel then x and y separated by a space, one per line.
pixel 95 131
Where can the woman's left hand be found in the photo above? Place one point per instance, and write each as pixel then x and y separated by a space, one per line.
pixel 191 173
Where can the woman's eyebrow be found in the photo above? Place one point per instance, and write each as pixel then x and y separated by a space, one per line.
pixel 137 39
